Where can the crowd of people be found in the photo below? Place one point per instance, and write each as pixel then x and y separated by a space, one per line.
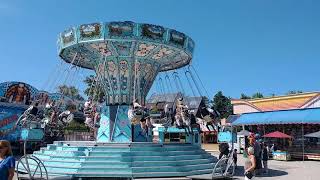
pixel 50 117
pixel 179 117
pixel 258 155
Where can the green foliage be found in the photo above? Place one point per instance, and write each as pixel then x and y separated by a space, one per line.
pixel 94 89
pixel 206 101
pixel 75 126
pixel 222 104
pixel 70 91
pixel 257 95
pixel 243 96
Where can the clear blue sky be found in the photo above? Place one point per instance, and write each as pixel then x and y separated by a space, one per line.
pixel 269 46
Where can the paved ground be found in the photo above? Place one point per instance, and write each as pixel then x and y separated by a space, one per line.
pixel 210 147
pixel 281 170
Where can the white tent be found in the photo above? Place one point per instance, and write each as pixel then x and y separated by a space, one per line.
pixel 314 135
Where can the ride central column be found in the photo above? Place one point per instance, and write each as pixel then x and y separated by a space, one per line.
pixel 115 125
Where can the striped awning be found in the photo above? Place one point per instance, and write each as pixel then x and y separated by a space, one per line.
pixel 295 116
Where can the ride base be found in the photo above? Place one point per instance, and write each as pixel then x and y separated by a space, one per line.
pixel 113 155
pixel 74 159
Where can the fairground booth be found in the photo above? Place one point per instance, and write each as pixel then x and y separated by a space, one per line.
pixel 290 124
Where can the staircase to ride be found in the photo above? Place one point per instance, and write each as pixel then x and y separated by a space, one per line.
pixel 128 160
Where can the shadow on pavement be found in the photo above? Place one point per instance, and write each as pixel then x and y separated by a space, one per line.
pixel 272 172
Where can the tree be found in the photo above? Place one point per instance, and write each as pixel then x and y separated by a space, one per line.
pixel 94 89
pixel 257 95
pixel 222 104
pixel 243 96
pixel 70 91
pixel 206 101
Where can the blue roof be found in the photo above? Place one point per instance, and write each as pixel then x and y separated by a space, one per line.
pixel 295 116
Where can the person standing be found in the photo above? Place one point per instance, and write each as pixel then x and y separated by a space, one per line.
pixel 265 158
pixel 7 161
pixel 235 158
pixel 257 153
pixel 224 149
pixel 250 164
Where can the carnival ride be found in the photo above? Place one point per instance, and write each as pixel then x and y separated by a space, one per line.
pixel 126 57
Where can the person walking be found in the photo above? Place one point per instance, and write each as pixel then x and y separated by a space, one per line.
pixel 250 164
pixel 7 161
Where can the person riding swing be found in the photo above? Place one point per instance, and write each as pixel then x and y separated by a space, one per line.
pixel 182 117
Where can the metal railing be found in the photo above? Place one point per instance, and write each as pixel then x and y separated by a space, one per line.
pixel 78 136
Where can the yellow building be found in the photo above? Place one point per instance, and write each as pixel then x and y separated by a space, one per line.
pixel 296 115
pixel 296 101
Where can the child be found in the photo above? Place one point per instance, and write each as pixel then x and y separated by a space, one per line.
pixel 235 157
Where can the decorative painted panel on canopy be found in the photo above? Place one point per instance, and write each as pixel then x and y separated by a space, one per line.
pixel 296 116
pixel 168 47
pixel 126 56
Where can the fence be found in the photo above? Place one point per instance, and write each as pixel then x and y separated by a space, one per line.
pixel 79 136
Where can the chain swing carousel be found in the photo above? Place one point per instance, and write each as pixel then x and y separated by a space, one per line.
pixel 126 58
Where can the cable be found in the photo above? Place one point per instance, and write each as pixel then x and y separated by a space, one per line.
pixel 168 82
pixel 175 78
pixel 199 79
pixel 191 87
pixel 194 82
pixel 53 71
pixel 161 85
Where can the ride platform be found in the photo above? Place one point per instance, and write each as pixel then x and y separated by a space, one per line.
pixel 74 159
